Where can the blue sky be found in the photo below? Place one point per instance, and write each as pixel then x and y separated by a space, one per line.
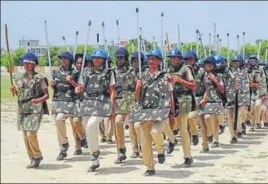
pixel 26 18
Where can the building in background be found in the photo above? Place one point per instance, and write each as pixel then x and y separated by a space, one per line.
pixel 33 46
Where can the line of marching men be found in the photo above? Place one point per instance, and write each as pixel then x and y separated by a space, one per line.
pixel 151 102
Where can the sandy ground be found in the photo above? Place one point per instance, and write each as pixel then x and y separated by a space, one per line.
pixel 246 161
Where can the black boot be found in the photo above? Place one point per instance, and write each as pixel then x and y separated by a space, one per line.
pixel 195 140
pixel 109 141
pixel 175 131
pixel 66 147
pixel 83 142
pixel 234 140
pixel 103 139
pixel 205 150
pixel 35 162
pixel 161 158
pixel 78 152
pixel 248 123
pixel 265 124
pixel 210 139
pixel 95 161
pixel 239 134
pixel 221 129
pixel 170 148
pixel 121 156
pixel 149 172
pixel 258 126
pixel 244 128
pixel 188 162
pixel 61 156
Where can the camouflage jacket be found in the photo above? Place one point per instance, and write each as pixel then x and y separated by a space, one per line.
pixel 29 114
pixel 256 74
pixel 213 103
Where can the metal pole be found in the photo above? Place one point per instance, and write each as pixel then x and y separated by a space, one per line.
pixel 266 56
pixel 84 55
pixel 197 39
pixel 48 51
pixel 138 35
pixel 219 46
pixel 228 55
pixel 64 40
pixel 153 42
pixel 244 39
pixel 162 39
pixel 132 46
pixel 259 50
pixel 179 38
pixel 238 44
pixel 118 35
pixel 217 43
pixel 181 47
pixel 209 44
pixel 76 40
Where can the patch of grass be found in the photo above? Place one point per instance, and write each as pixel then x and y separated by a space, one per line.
pixel 6 95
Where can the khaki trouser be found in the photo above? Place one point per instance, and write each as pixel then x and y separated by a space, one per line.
pixel 181 123
pixel 242 116
pixel 256 112
pixel 192 119
pixel 168 132
pixel 120 130
pixel 151 131
pixel 61 129
pixel 78 131
pixel 264 114
pixel 134 134
pixel 209 121
pixel 106 129
pixel 220 118
pixel 91 124
pixel 31 143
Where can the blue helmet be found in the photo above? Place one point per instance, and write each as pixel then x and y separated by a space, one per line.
pixel 247 62
pixel 200 62
pixel 155 52
pixel 261 63
pixel 136 55
pixel 89 59
pixel 210 60
pixel 253 56
pixel 121 52
pixel 237 57
pixel 190 54
pixel 174 52
pixel 30 57
pixel 67 55
pixel 99 54
pixel 219 59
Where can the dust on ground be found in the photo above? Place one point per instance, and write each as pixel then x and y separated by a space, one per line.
pixel 246 161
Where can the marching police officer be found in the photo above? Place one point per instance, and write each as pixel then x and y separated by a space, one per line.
pixel 154 95
pixel 31 90
pixel 98 102
pixel 211 103
pixel 64 81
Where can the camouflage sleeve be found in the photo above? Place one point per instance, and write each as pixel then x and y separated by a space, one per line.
pixel 220 79
pixel 189 75
pixel 76 74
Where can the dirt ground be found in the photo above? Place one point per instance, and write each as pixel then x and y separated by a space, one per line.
pixel 246 161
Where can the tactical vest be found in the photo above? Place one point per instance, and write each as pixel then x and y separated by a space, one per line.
pixel 96 84
pixel 256 76
pixel 63 90
pixel 199 83
pixel 28 90
pixel 155 93
pixel 125 82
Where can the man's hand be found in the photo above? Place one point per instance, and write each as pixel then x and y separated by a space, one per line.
pixel 35 101
pixel 78 89
pixel 52 83
pixel 68 78
pixel 13 89
pixel 139 83
pixel 177 79
pixel 211 76
pixel 253 84
pixel 203 102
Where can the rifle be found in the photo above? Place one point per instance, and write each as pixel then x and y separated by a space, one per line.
pixel 9 57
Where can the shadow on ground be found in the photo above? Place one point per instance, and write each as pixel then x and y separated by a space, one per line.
pixel 173 174
pixel 54 166
pixel 115 170
pixel 209 157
